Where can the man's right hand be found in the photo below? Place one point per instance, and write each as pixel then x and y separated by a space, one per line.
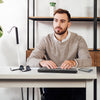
pixel 48 63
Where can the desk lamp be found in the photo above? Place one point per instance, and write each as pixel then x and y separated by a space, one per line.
pixel 17 42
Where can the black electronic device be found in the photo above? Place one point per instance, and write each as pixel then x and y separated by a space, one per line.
pixel 27 69
pixel 57 70
pixel 20 68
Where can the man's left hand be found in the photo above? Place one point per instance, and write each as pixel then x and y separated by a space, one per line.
pixel 67 64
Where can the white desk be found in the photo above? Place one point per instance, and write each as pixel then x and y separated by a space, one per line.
pixel 34 79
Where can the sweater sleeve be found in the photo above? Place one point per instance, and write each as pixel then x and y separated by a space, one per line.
pixel 37 54
pixel 84 58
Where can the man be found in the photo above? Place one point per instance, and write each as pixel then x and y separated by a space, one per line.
pixel 63 49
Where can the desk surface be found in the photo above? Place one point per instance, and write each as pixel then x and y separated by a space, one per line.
pixel 35 79
pixel 5 73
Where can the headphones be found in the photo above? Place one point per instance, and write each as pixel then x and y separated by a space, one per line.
pixel 21 68
pixel 1 31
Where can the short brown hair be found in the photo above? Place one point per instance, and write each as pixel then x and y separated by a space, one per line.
pixel 61 11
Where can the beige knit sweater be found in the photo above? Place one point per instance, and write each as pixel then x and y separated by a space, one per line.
pixel 73 48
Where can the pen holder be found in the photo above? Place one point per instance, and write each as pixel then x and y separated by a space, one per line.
pixel 52 8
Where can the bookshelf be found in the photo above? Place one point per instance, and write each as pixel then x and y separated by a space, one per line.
pixel 94 52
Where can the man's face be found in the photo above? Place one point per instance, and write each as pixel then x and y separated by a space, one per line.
pixel 60 23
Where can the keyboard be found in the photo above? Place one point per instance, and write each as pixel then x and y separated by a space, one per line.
pixel 57 70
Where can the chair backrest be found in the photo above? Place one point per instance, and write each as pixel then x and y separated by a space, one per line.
pixel 92 53
pixel 28 52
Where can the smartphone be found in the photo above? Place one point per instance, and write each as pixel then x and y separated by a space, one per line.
pixel 85 69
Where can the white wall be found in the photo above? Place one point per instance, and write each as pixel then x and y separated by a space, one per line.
pixel 14 13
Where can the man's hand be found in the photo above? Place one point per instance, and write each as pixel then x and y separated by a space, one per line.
pixel 67 64
pixel 48 63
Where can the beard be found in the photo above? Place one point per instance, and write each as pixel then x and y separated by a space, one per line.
pixel 62 32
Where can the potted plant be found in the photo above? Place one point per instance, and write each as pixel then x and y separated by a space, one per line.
pixel 1 30
pixel 52 8
pixel 1 1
